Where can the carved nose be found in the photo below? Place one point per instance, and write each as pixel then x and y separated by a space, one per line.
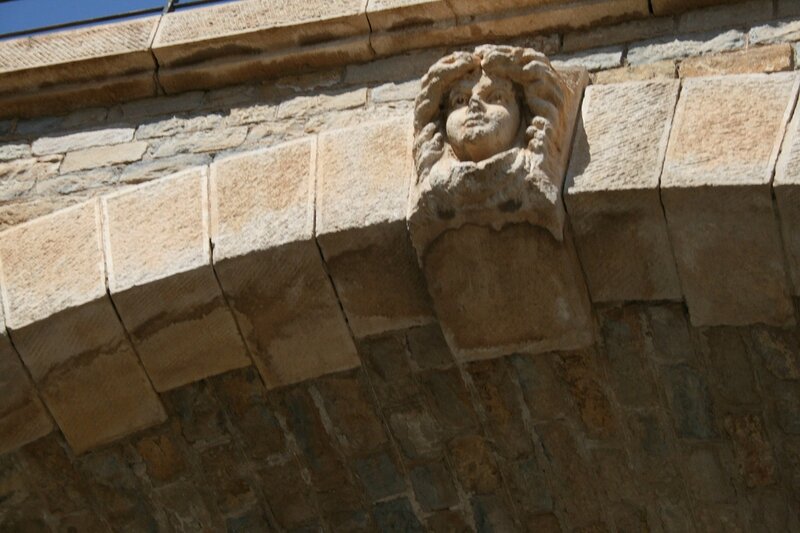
pixel 475 104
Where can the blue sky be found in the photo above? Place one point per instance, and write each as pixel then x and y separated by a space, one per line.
pixel 20 15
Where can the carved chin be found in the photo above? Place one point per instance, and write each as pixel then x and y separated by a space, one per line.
pixel 478 146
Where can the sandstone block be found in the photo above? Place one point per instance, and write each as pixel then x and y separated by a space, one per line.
pixel 651 71
pixel 775 32
pixel 670 7
pixel 22 415
pixel 160 277
pixel 362 188
pixel 105 50
pixel 787 195
pixel 612 191
pixel 269 266
pixel 388 14
pixel 725 16
pixel 103 156
pixel 468 268
pixel 78 141
pixel 684 46
pixel 591 60
pixel 718 201
pixel 67 331
pixel 767 59
pixel 634 30
pixel 11 151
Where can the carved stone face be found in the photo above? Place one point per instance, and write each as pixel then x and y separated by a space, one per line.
pixel 482 117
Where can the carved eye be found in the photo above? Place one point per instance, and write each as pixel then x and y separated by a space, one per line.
pixel 458 100
pixel 496 98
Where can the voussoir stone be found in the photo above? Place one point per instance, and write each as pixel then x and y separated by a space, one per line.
pixel 158 253
pixel 363 177
pixel 269 265
pixel 787 195
pixel 717 197
pixel 612 191
pixel 67 332
pixel 23 417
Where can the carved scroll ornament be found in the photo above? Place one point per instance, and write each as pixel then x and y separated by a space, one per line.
pixel 489 127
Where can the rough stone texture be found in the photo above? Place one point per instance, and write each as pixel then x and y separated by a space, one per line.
pixel 81 140
pixel 363 175
pixel 787 194
pixel 684 46
pixel 160 277
pixel 767 59
pixel 666 69
pixel 67 332
pixel 591 60
pixel 102 156
pixel 612 191
pixel 635 30
pixel 718 202
pixel 385 15
pixel 669 7
pixel 775 32
pixel 550 441
pixel 269 266
pixel 22 415
pixel 725 16
pixel 106 50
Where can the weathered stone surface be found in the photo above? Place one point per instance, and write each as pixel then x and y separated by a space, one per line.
pixel 176 125
pixel 725 16
pixel 79 141
pixel 269 266
pixel 650 71
pixel 363 176
pixel 11 151
pixel 67 332
pixel 385 15
pixel 18 178
pixel 775 32
pixel 716 192
pixel 635 30
pixel 105 50
pixel 591 60
pixel 160 277
pixel 22 416
pixel 612 191
pixel 753 451
pixel 767 59
pixel 463 272
pixel 102 156
pixel 669 7
pixel 684 46
pixel 156 168
pixel 199 141
pixel 787 195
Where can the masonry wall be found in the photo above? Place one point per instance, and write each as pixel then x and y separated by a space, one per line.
pixel 663 427
pixel 52 162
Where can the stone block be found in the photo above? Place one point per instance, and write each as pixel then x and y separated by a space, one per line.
pixel 363 176
pixel 102 51
pixel 591 60
pixel 717 197
pixel 786 187
pixel 23 417
pixel 468 268
pixel 158 257
pixel 612 192
pixel 67 332
pixel 396 515
pixel 386 15
pixel 11 151
pixel 670 7
pixel 269 266
pixel 775 32
pixel 103 156
pixel 753 450
pixel 433 486
pixel 684 46
pixel 775 58
pixel 650 71
pixel 78 141
pixel 690 403
pixel 634 30
pixel 738 13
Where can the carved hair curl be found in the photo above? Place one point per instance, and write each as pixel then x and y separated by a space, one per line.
pixel 542 92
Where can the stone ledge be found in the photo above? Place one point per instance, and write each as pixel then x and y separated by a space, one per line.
pixel 254 39
pixel 85 291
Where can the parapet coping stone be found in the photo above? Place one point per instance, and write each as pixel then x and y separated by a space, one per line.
pixel 246 40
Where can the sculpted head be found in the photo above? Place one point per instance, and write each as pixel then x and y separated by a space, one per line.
pixel 475 105
pixel 483 116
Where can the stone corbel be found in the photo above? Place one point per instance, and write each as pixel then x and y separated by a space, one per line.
pixel 492 134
